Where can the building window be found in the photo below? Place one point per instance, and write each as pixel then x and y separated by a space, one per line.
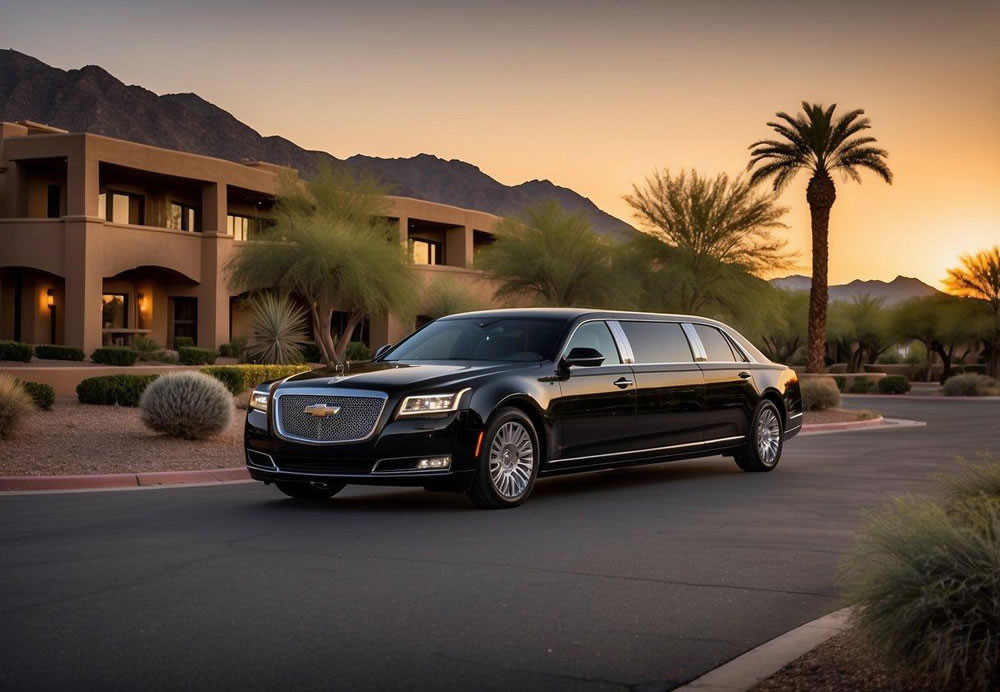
pixel 181 217
pixel 185 322
pixel 122 207
pixel 114 311
pixel 54 202
pixel 425 251
pixel 244 227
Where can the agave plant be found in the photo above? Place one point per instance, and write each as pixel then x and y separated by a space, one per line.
pixel 278 330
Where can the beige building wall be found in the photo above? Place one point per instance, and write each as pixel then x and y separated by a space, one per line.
pixel 80 255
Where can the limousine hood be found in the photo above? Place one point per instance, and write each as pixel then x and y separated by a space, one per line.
pixel 396 376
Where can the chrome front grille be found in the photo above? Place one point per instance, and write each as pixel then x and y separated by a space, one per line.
pixel 358 414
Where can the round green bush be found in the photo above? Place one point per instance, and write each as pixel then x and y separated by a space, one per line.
pixel 183 342
pixel 54 352
pixel 189 405
pixel 115 355
pixel 894 384
pixel 819 393
pixel 357 351
pixel 841 382
pixel 15 405
pixel 15 350
pixel 42 394
pixel 113 390
pixel 971 384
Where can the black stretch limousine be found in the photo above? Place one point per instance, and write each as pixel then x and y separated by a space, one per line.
pixel 485 402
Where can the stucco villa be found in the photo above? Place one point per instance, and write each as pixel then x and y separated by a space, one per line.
pixel 103 239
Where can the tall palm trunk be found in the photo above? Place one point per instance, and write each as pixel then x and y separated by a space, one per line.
pixel 821 194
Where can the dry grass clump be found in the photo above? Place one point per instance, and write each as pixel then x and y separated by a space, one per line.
pixel 819 394
pixel 971 384
pixel 191 405
pixel 15 404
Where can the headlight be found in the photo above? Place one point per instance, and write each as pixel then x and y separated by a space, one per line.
pixel 258 400
pixel 426 404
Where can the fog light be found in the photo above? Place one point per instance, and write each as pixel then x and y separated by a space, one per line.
pixel 434 463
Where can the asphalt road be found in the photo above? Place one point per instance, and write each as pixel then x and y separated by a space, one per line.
pixel 641 578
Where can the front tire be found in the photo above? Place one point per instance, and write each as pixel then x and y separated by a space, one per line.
pixel 308 491
pixel 508 463
pixel 764 443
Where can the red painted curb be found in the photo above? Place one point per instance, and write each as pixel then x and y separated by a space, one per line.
pixel 123 480
pixel 848 425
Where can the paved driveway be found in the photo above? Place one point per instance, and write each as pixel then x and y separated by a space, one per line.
pixel 645 577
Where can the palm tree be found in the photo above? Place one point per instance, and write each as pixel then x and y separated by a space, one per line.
pixel 550 256
pixel 979 278
pixel 821 144
pixel 332 245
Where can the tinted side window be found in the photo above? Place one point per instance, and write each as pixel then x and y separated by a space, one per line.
pixel 717 348
pixel 596 335
pixel 658 342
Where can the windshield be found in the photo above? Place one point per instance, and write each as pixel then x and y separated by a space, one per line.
pixel 491 339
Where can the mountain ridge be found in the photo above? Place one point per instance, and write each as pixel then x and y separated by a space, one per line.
pixel 91 99
pixel 899 289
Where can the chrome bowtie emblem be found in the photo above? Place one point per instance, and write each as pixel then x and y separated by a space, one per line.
pixel 321 410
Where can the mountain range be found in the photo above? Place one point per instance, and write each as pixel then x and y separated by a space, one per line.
pixel 92 100
pixel 899 289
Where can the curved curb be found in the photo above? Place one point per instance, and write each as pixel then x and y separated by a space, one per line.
pixel 883 425
pixel 124 480
pixel 921 397
pixel 846 425
pixel 757 665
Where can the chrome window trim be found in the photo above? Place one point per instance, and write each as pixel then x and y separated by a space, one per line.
pixel 621 356
pixel 650 449
pixel 327 391
pixel 697 348
pixel 624 347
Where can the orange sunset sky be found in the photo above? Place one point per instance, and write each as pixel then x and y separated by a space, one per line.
pixel 591 95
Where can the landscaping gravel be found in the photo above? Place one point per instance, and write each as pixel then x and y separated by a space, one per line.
pixel 75 438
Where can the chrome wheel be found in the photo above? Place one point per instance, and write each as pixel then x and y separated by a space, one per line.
pixel 512 460
pixel 768 436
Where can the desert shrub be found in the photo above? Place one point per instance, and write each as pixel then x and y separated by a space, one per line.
pixel 819 394
pixel 239 378
pixel 191 355
pixel 356 350
pixel 278 330
pixel 15 350
pixel 926 579
pixel 972 481
pixel 190 405
pixel 894 384
pixel 971 384
pixel 115 355
pixel 841 382
pixel 234 349
pixel 113 390
pixel 861 385
pixel 890 357
pixel 53 352
pixel 41 394
pixel 311 353
pixel 15 405
pixel 183 342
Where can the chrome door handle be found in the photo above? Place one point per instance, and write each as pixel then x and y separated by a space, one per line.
pixel 623 382
pixel 745 375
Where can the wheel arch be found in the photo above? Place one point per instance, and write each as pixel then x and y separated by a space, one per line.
pixel 775 397
pixel 530 408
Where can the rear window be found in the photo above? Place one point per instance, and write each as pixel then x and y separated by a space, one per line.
pixel 658 342
pixel 716 345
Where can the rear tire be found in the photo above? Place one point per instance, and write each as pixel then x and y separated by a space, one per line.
pixel 308 491
pixel 762 451
pixel 508 463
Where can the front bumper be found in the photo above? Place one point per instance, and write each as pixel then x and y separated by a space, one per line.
pixel 388 457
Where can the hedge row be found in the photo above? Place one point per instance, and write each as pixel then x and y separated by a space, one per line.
pixel 113 390
pixel 15 350
pixel 115 355
pixel 55 352
pixel 191 355
pixel 240 378
pixel 42 394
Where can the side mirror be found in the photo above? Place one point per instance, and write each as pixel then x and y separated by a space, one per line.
pixel 583 357
pixel 381 351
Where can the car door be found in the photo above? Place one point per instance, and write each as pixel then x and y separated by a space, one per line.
pixel 670 396
pixel 730 392
pixel 595 415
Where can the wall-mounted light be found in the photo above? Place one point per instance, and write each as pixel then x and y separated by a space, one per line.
pixel 141 298
pixel 50 298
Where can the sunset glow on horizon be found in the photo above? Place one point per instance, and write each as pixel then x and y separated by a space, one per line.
pixel 594 96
